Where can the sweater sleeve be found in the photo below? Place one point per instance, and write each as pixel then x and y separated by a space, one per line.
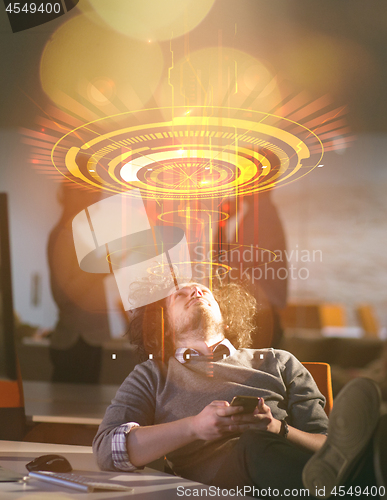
pixel 134 402
pixel 305 401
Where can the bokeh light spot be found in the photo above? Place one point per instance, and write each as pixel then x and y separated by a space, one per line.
pixel 82 61
pixel 228 77
pixel 149 20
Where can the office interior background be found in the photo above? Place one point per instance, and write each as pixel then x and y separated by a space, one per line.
pixel 311 51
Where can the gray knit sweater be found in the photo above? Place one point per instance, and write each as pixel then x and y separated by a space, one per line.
pixel 155 394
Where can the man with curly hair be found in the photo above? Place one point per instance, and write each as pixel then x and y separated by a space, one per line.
pixel 177 403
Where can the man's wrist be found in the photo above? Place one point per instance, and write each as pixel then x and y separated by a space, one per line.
pixel 274 426
pixel 191 428
pixel 284 429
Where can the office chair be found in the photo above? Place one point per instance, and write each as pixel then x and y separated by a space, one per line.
pixel 12 416
pixel 321 372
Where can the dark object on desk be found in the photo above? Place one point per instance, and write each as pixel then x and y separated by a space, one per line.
pixel 260 232
pixel 50 463
pixel 8 476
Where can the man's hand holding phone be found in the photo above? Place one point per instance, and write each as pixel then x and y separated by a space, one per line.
pixel 220 418
pixel 249 403
pixel 257 417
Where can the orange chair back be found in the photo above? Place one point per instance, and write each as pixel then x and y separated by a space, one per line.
pixel 321 372
pixel 12 415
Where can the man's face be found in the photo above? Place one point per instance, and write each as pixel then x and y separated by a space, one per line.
pixel 193 308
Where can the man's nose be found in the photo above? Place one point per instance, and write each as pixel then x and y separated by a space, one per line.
pixel 196 292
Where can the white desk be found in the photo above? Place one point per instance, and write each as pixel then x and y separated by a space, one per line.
pixel 147 484
pixel 67 403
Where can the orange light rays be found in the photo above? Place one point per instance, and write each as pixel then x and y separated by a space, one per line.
pixel 330 125
pixel 162 335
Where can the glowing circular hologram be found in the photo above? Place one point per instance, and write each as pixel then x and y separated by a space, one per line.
pixel 188 173
pixel 149 20
pixel 81 74
pixel 192 214
pixel 209 153
pixel 212 265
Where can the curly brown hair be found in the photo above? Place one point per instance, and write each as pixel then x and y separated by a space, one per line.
pixel 149 322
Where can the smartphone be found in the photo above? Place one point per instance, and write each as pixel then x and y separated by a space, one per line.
pixel 249 403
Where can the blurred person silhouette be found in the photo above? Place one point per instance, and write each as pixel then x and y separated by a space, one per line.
pixel 82 326
pixel 254 222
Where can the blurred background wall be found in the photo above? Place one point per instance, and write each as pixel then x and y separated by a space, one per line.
pixel 315 49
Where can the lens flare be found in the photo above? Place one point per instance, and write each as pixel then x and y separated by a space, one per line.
pixel 85 69
pixel 149 20
pixel 222 77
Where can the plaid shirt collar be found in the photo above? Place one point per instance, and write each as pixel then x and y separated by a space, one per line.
pixel 223 349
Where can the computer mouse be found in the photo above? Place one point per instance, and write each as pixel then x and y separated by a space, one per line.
pixel 51 463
